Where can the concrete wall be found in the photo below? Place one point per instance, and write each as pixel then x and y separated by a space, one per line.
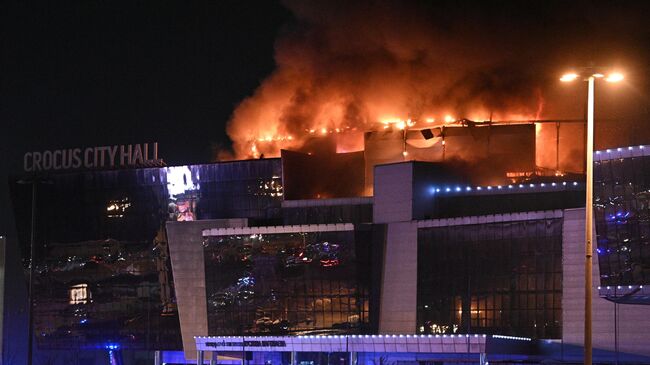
pixel 393 193
pixel 186 251
pixel 633 320
pixel 393 189
pixel 397 312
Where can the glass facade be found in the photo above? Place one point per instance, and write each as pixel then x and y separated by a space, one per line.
pixel 498 278
pixel 622 215
pixel 288 283
pixel 453 204
pixel 102 272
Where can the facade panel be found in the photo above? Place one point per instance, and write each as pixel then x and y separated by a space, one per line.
pixel 103 275
pixel 622 214
pixel 288 283
pixel 496 278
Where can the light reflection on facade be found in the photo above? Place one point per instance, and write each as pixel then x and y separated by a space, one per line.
pixel 292 283
pixel 622 212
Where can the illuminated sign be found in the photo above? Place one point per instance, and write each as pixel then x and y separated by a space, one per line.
pixel 144 154
pixel 247 344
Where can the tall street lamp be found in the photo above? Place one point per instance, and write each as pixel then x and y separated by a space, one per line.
pixel 34 182
pixel 590 75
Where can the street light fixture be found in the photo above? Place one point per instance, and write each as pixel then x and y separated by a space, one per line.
pixel 590 75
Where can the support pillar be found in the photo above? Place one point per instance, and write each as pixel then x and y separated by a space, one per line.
pixel 157 358
pixel 293 358
pixel 353 358
pixel 199 357
pixel 483 358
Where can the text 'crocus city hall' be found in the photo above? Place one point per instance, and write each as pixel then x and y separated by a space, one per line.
pixel 462 243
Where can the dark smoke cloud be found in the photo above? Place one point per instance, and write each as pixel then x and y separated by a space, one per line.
pixel 346 64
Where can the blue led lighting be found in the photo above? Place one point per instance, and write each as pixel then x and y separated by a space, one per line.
pixel 447 189
pixel 112 346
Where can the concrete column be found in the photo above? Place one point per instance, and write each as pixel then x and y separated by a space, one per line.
pixel 483 359
pixel 293 358
pixel 157 358
pixel 397 312
pixel 633 320
pixel 185 241
pixel 199 357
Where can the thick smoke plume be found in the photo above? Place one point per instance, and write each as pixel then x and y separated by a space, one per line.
pixel 348 66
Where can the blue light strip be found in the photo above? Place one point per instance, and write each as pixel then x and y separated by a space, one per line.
pixel 620 287
pixel 507 189
pixel 325 337
pixel 512 338
pixel 621 152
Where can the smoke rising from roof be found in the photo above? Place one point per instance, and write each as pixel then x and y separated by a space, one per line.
pixel 345 66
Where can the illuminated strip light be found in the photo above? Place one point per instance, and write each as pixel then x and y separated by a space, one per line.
pixel 620 287
pixel 352 336
pixel 512 338
pixel 519 187
pixel 621 152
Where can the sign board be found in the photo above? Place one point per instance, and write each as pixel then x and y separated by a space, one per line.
pixel 130 155
pixel 247 344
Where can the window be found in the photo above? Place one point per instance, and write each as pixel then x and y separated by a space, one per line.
pixel 79 294
pixel 491 278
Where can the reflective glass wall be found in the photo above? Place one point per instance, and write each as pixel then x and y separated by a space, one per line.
pixel 499 278
pixel 103 276
pixel 289 283
pixel 622 215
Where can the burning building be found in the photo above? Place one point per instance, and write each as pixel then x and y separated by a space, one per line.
pixel 484 153
pixel 256 256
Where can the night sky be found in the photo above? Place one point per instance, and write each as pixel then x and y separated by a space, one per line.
pixel 95 73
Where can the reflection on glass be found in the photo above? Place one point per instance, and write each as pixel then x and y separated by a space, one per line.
pixel 499 278
pixel 79 294
pixel 298 283
pixel 116 208
pixel 111 238
pixel 622 216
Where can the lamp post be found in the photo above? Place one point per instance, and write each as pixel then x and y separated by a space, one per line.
pixel 590 75
pixel 34 182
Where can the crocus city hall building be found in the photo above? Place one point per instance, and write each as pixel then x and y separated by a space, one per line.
pixel 443 247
